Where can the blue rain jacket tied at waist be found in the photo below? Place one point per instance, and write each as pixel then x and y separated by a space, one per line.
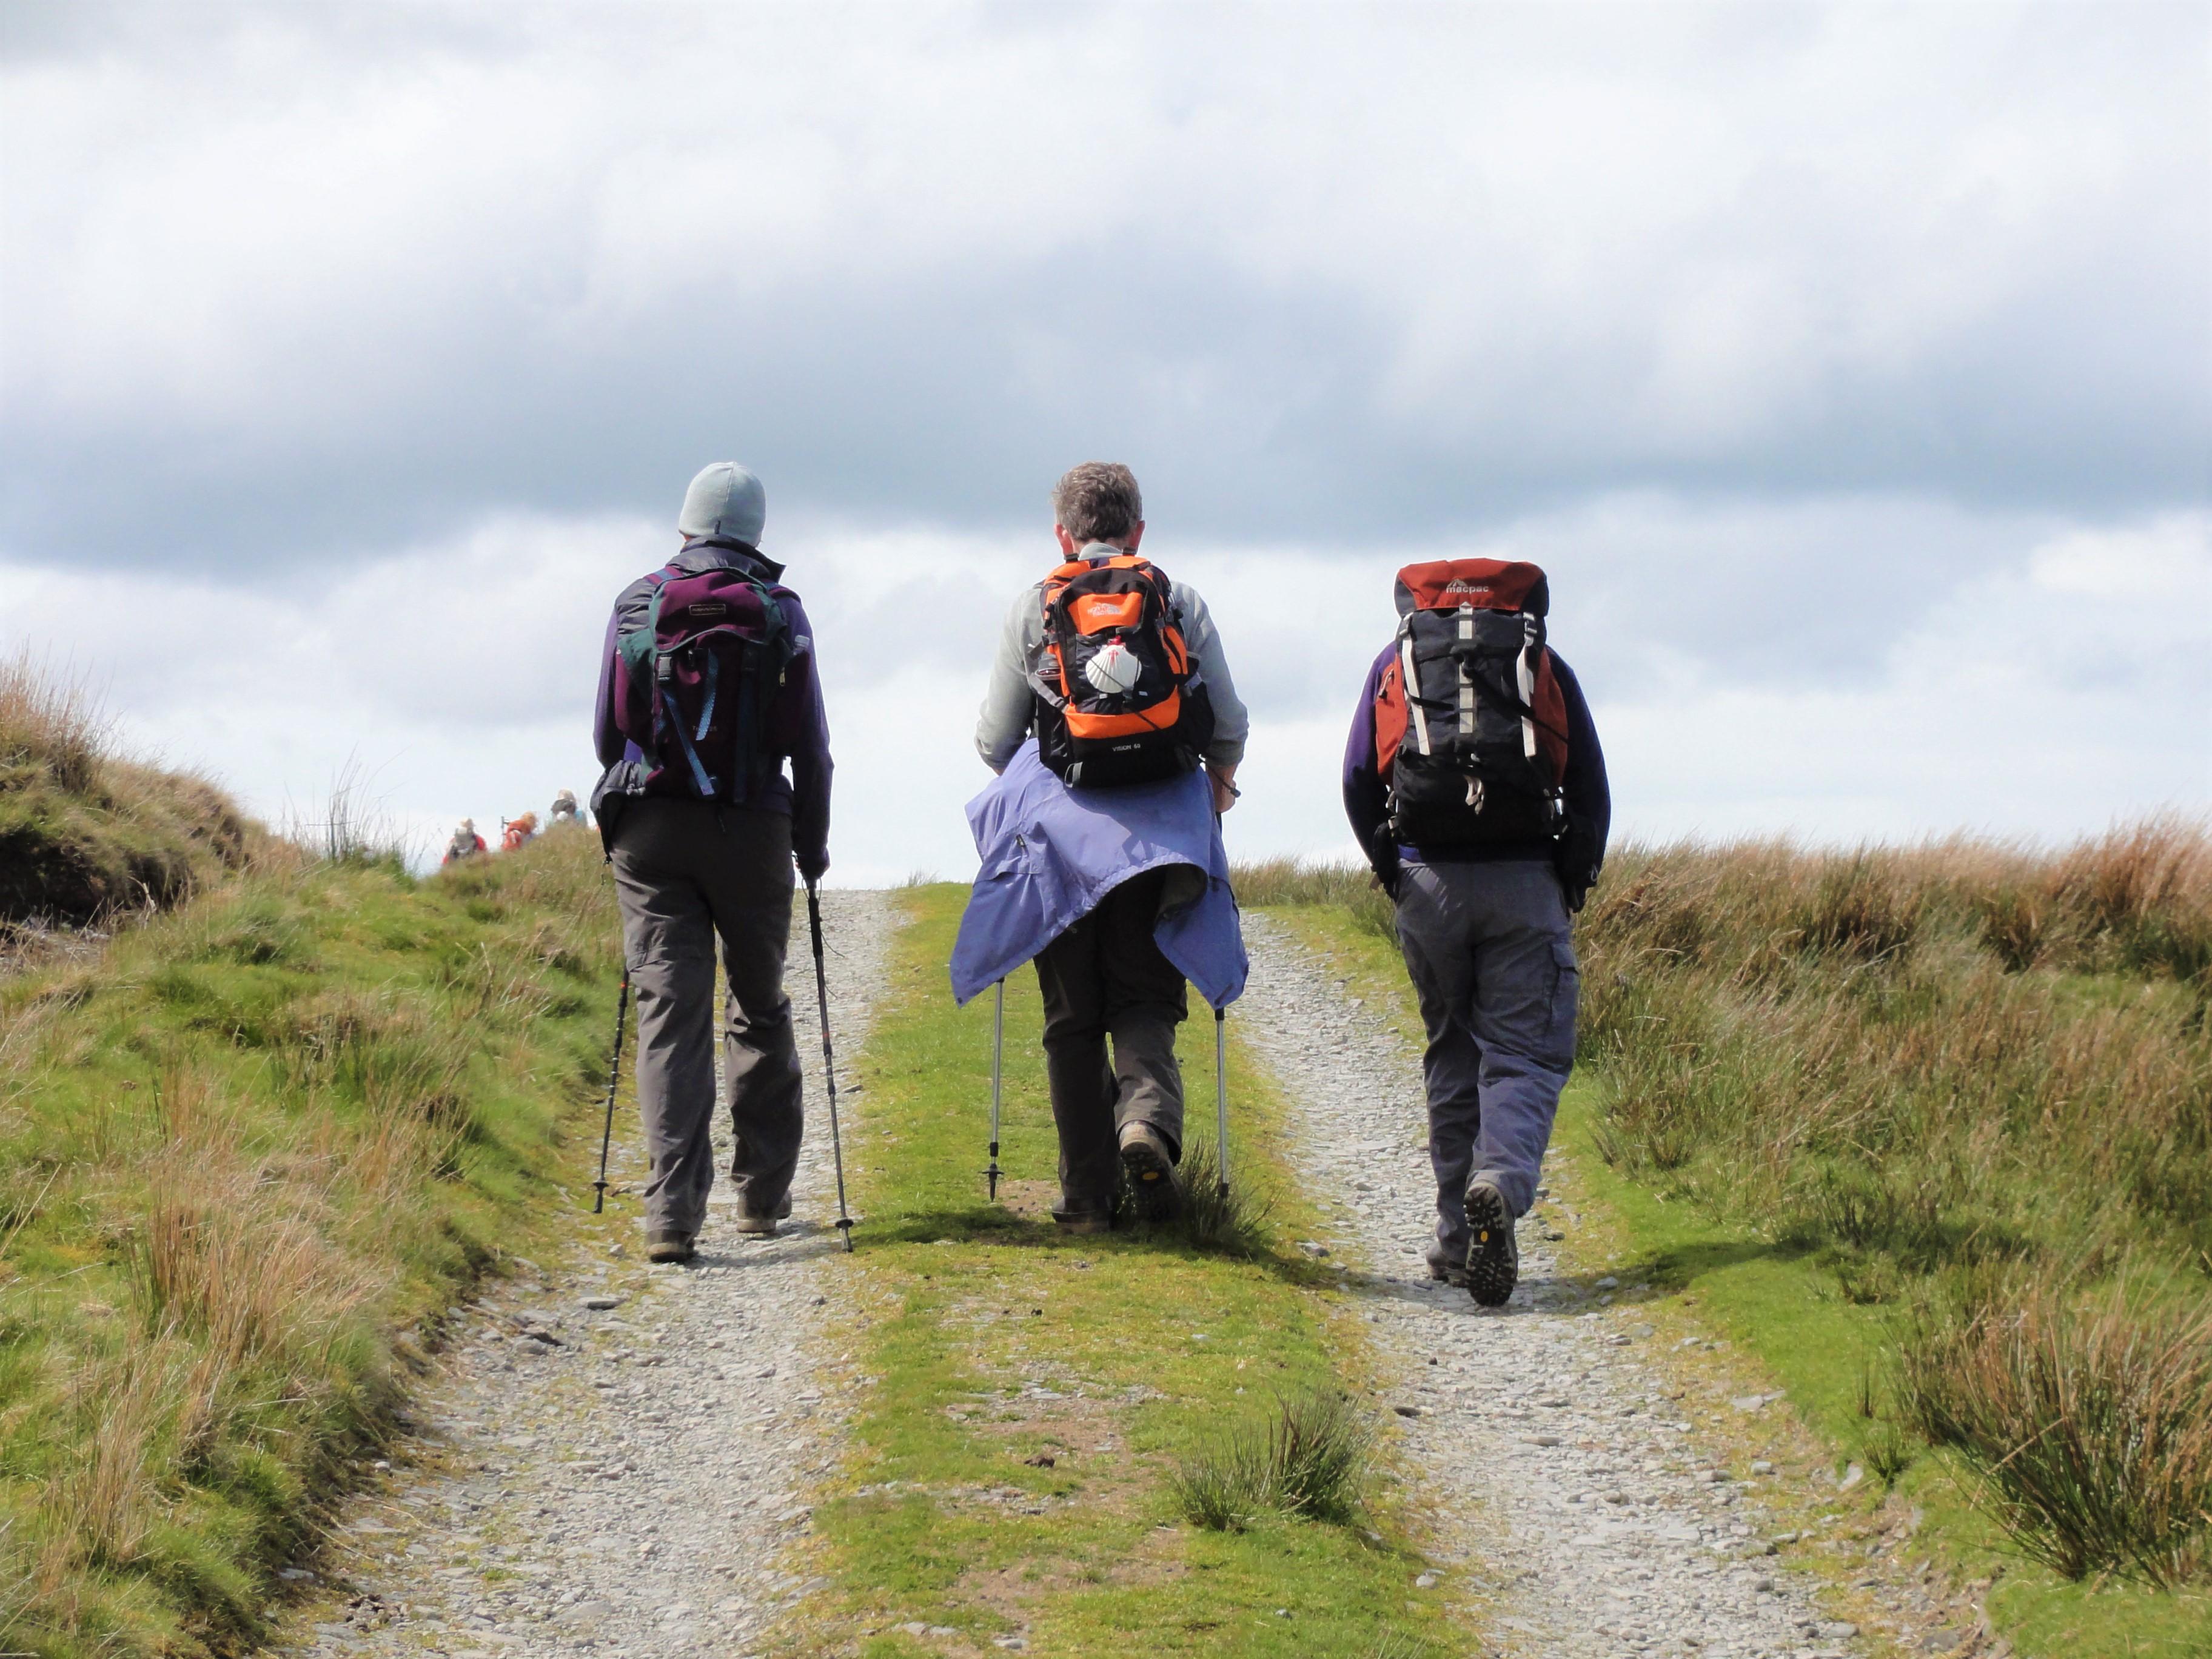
pixel 1049 853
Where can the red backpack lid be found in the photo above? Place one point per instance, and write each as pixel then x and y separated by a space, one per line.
pixel 1486 584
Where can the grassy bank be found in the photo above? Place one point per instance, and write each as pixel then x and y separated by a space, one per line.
pixel 1032 1395
pixel 247 1159
pixel 84 833
pixel 1930 1132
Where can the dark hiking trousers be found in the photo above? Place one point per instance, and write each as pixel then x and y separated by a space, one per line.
pixel 687 874
pixel 1106 977
pixel 1488 948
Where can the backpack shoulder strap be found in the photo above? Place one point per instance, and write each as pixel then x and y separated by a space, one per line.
pixel 635 644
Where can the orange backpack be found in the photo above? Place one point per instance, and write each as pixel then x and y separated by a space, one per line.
pixel 1117 698
pixel 1470 725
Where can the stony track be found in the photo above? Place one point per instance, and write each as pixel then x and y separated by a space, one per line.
pixel 616 1457
pixel 1546 1449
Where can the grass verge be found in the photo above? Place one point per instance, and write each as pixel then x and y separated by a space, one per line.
pixel 1032 1395
pixel 1840 1107
pixel 246 1161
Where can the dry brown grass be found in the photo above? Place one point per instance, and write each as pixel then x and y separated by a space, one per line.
pixel 86 836
pixel 50 721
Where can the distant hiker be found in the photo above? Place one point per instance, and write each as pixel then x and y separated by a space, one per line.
pixel 466 844
pixel 1474 782
pixel 514 834
pixel 1101 841
pixel 708 686
pixel 563 813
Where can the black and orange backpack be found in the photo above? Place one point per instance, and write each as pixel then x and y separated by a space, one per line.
pixel 1470 725
pixel 1118 699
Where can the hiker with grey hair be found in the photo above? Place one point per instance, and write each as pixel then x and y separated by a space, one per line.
pixel 708 688
pixel 1118 675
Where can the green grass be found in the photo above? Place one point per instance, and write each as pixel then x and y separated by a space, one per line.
pixel 247 1160
pixel 993 1346
pixel 1713 1253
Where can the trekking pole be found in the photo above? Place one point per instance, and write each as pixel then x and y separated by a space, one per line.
pixel 998 1049
pixel 829 1060
pixel 614 1076
pixel 1221 1097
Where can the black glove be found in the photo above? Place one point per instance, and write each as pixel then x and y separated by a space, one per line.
pixel 811 866
pixel 1575 884
pixel 1387 879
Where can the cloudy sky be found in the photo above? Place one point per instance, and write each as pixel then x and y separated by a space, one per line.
pixel 1850 368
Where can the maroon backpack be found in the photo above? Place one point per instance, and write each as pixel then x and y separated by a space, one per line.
pixel 696 682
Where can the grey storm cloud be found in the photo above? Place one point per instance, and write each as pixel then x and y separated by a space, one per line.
pixel 281 281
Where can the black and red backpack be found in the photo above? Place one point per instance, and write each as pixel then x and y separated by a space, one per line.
pixel 1470 725
pixel 1118 699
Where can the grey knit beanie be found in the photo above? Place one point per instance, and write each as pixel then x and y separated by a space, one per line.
pixel 725 499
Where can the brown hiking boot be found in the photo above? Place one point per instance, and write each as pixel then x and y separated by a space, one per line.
pixel 1082 1226
pixel 763 1226
pixel 1146 1160
pixel 669 1247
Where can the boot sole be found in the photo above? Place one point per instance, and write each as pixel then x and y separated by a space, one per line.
pixel 1493 1258
pixel 1152 1178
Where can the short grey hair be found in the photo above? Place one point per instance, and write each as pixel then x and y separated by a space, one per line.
pixel 1097 502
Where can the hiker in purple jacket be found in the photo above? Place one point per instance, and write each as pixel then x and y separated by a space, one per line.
pixel 1484 876
pixel 707 687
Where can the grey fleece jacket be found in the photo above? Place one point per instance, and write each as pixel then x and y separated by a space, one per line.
pixel 1009 706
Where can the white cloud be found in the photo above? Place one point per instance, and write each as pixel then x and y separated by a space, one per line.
pixel 313 267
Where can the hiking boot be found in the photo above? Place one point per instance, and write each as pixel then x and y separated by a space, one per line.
pixel 1150 1170
pixel 1082 1226
pixel 669 1247
pixel 1493 1256
pixel 763 1226
pixel 1449 1272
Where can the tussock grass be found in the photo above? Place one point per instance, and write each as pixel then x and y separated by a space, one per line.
pixel 1309 1458
pixel 1239 1222
pixel 83 832
pixel 246 1163
pixel 2093 1425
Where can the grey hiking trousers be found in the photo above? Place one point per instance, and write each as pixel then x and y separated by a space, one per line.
pixel 1105 976
pixel 688 873
pixel 1488 948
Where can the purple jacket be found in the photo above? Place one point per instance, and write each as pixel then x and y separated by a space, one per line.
pixel 801 732
pixel 1578 854
pixel 1050 853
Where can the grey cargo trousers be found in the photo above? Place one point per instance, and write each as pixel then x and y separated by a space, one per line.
pixel 1488 948
pixel 1105 976
pixel 686 874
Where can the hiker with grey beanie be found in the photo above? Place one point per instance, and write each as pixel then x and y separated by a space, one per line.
pixel 708 689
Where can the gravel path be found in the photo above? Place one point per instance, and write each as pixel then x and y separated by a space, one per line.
pixel 1558 1467
pixel 623 1479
